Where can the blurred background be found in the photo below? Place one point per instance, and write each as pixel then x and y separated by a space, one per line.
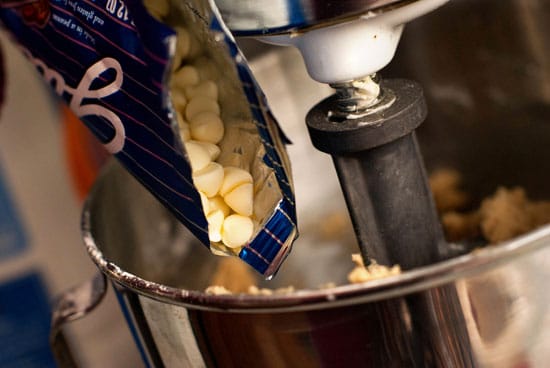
pixel 41 251
pixel 481 63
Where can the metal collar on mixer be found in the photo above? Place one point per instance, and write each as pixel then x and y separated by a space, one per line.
pixel 253 17
pixel 359 98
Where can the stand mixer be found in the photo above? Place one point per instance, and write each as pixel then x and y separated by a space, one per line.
pixel 368 125
pixel 480 309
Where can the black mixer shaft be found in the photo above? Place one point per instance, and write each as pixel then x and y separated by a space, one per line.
pixel 382 175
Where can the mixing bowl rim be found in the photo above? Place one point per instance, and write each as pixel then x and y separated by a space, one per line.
pixel 407 282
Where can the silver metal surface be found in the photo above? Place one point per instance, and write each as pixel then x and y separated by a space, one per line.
pixel 71 306
pixel 253 17
pixel 495 298
pixel 359 98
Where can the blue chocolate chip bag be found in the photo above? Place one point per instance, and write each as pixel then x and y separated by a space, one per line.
pixel 147 82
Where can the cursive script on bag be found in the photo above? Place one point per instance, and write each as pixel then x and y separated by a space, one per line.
pixel 83 91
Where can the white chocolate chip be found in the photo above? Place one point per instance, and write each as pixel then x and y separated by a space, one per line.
pixel 179 101
pixel 183 47
pixel 204 202
pixel 212 149
pixel 209 179
pixel 233 177
pixel 198 155
pixel 217 203
pixel 185 131
pixel 183 42
pixel 215 222
pixel 207 89
pixel 217 290
pixel 206 126
pixel 219 249
pixel 241 199
pixel 186 76
pixel 226 193
pixel 237 230
pixel 200 104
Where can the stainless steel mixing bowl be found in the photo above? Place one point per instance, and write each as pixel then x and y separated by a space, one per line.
pixel 484 66
pixel 489 308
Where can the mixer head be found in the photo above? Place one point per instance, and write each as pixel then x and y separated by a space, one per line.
pixel 340 40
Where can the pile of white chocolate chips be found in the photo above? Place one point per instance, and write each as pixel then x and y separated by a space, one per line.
pixel 227 192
